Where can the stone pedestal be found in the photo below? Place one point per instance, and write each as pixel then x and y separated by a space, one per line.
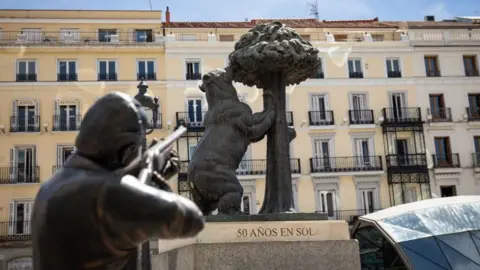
pixel 262 245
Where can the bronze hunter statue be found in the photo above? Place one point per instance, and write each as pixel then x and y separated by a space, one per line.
pixel 90 216
pixel 230 127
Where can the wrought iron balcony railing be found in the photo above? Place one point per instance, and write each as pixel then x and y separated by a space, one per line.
pixel 349 216
pixel 407 160
pixel 394 74
pixel 27 77
pixel 471 73
pixel 439 115
pixel 78 38
pixel 446 160
pixel 191 120
pixel 67 77
pixel 476 159
pixel 156 125
pixel 361 117
pixel 356 75
pixel 107 76
pixel 320 118
pixel 25 124
pixel 147 76
pixel 193 76
pixel 21 174
pixel 473 114
pixel 345 164
pixel 64 123
pixel 15 231
pixel 401 115
pixel 433 73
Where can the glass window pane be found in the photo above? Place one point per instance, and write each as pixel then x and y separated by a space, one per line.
pixel 62 67
pixel 428 249
pixel 396 65
pixel 357 66
pixel 103 67
pixel 111 67
pixel 22 67
pixel 141 67
pixel 389 65
pixel 31 67
pixel 72 67
pixel 350 66
pixel 150 67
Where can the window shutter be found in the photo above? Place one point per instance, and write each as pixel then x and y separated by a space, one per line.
pixel 27 217
pixel 37 113
pixel 11 219
pixel 56 116
pixel 78 112
pixel 14 120
pixel 13 164
pixel 59 156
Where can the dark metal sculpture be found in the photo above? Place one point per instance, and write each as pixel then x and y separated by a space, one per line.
pixel 93 212
pixel 230 127
pixel 272 56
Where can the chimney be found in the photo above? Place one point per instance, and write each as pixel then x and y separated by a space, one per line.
pixel 429 18
pixel 167 17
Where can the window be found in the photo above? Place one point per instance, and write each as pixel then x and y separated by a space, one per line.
pixel 364 152
pixel 476 154
pixel 146 70
pixel 340 37
pixel 23 165
pixel 19 217
pixel 327 203
pixel 443 152
pixel 399 110
pixel 319 74
pixel 193 70
pixel 195 112
pixel 355 68
pixel 401 147
pixel 410 194
pixel 66 116
pixel 322 159
pixel 107 70
pixel 69 34
pixel 431 66
pixel 319 110
pixel 448 191
pixel 474 107
pixel 67 70
pixel 25 116
pixel 359 112
pixel 191 150
pixel 470 65
pixel 104 34
pixel 246 204
pixel 368 199
pixel 393 68
pixel 24 263
pixel 26 70
pixel 226 38
pixel 438 112
pixel 378 37
pixel 143 35
pixel 63 152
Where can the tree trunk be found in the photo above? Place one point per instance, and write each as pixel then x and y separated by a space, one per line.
pixel 278 188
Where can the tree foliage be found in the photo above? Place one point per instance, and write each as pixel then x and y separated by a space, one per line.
pixel 269 48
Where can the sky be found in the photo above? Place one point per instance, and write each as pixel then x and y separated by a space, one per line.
pixel 239 10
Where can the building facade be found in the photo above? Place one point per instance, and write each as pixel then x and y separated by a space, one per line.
pixel 389 118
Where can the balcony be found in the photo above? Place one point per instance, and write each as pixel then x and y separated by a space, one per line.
pixel 407 163
pixel 64 123
pixel 28 77
pixel 193 121
pixel 321 118
pixel 346 164
pixel 15 231
pixel 67 77
pixel 401 116
pixel 157 125
pixel 19 175
pixel 439 115
pixel 473 114
pixel 78 38
pixel 318 75
pixel 147 76
pixel 394 74
pixel 447 37
pixel 25 124
pixel 356 75
pixel 361 117
pixel 471 73
pixel 433 73
pixel 193 76
pixel 290 119
pixel 446 160
pixel 107 76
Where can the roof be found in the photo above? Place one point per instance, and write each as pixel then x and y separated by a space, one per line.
pixel 419 205
pixel 294 23
pixel 441 25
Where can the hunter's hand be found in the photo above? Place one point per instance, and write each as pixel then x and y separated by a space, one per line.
pixel 165 164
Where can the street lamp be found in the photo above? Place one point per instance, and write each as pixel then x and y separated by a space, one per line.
pixel 150 106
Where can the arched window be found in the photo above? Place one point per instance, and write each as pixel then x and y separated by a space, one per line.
pixel 23 263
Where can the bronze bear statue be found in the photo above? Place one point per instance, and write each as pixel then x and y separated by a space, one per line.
pixel 230 127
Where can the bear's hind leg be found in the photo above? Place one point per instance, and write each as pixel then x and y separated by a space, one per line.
pixel 231 192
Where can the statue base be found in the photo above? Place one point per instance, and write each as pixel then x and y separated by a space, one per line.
pixel 227 243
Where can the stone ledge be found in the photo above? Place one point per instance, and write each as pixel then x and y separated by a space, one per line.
pixel 267 217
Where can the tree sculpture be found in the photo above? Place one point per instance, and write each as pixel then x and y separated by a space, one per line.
pixel 272 56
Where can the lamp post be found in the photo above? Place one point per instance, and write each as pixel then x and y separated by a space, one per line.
pixel 149 104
